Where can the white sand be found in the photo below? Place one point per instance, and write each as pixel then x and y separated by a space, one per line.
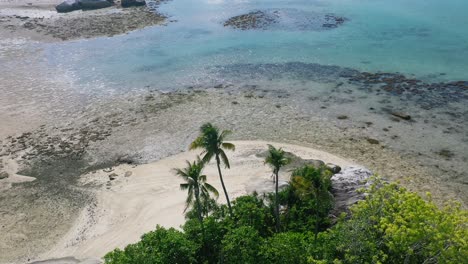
pixel 133 205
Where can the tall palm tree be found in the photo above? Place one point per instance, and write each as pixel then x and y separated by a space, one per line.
pixel 213 145
pixel 276 159
pixel 197 187
pixel 313 183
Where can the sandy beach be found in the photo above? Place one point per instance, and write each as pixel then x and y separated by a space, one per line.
pixel 146 195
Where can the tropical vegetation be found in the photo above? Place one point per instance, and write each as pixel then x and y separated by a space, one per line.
pixel 391 225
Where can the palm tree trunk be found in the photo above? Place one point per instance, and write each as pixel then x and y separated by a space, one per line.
pixel 200 218
pixel 218 162
pixel 199 209
pixel 277 203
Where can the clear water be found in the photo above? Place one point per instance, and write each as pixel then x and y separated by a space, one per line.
pixel 424 38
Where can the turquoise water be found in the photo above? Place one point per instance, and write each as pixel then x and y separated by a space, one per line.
pixel 424 38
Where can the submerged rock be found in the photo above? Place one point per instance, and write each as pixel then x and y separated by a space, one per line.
pixel 252 20
pixel 401 115
pixel 129 3
pixel 284 19
pixel 345 186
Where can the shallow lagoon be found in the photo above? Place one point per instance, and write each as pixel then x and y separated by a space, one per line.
pixel 427 39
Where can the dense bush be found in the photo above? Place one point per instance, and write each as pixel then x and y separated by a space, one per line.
pixel 392 225
pixel 397 226
pixel 157 247
pixel 308 199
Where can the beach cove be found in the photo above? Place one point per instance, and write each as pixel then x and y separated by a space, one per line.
pixel 394 102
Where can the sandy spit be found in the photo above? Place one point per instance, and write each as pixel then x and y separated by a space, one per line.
pixel 144 196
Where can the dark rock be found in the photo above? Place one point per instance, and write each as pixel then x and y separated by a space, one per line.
pixel 342 117
pixel 94 4
pixel 4 175
pixel 372 141
pixel 129 3
pixel 446 153
pixel 333 168
pixel 401 115
pixel 68 6
pixel 113 176
pixel 345 186
pixel 252 20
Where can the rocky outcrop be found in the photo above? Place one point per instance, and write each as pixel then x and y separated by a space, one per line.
pixel 252 20
pixel 285 19
pixel 72 5
pixel 129 3
pixel 345 186
pixel 68 6
pixel 95 4
pixel 3 175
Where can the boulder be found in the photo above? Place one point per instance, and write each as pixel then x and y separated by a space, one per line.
pixel 4 175
pixel 333 168
pixel 94 4
pixel 129 3
pixel 68 6
pixel 345 186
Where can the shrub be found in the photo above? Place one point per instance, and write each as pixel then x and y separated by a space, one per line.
pixel 242 246
pixel 156 247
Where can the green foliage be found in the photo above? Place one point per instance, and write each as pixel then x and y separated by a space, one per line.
pixel 157 247
pixel 195 183
pixel 285 248
pixel 242 246
pixel 211 141
pixel 210 247
pixel 250 210
pixel 397 226
pixel 308 195
pixel 276 158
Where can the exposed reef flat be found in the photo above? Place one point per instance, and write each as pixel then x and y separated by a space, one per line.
pixel 145 128
pixel 286 19
pixel 42 23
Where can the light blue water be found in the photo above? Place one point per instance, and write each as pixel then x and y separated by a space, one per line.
pixel 425 38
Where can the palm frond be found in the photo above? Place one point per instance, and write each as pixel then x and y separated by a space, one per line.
pixel 224 159
pixel 228 146
pixel 212 189
pixel 184 186
pixel 224 134
pixel 207 157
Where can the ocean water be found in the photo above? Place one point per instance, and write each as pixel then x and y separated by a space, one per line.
pixel 426 39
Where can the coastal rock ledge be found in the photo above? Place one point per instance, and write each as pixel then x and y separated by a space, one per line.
pixel 72 5
pixel 346 185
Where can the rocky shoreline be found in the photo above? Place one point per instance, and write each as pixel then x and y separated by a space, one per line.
pixel 47 25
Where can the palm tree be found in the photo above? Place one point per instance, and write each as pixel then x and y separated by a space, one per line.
pixel 276 159
pixel 195 183
pixel 213 145
pixel 311 183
